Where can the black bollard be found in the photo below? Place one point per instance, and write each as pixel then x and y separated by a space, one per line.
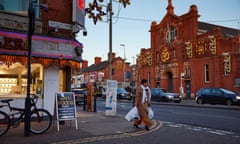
pixel 84 103
pixel 133 98
pixel 95 104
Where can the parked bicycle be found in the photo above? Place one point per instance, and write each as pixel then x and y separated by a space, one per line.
pixel 41 119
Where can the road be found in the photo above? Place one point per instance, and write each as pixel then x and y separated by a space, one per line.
pixel 186 124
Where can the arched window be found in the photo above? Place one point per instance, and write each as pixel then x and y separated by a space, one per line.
pixel 172 34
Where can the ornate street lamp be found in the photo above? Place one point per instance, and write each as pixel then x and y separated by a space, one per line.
pixel 95 12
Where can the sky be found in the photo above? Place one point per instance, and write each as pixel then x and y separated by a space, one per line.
pixel 131 24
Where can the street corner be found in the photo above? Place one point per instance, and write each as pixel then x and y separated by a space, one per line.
pixel 155 126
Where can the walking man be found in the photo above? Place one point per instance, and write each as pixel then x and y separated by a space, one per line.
pixel 142 102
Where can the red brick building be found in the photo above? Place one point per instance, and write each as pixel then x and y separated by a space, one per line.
pixel 190 54
pixel 99 72
pixel 55 53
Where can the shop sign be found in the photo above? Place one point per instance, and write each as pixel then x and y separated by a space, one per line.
pixel 13 43
pixel 66 107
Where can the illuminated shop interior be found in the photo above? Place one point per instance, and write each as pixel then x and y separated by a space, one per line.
pixel 13 79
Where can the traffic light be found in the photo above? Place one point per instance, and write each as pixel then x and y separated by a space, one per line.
pixel 79 12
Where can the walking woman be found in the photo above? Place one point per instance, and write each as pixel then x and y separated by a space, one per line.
pixel 142 102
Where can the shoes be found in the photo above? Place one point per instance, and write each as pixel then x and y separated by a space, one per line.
pixel 147 128
pixel 136 126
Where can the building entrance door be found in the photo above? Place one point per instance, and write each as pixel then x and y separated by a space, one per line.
pixel 188 89
pixel 170 81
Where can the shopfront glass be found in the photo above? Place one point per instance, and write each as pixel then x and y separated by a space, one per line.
pixel 13 80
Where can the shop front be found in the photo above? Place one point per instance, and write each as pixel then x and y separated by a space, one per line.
pixel 52 61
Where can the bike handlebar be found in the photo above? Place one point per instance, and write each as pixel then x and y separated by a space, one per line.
pixel 33 97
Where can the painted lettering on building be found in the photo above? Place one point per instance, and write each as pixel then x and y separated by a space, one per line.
pixel 13 43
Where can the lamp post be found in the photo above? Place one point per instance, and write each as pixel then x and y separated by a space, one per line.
pixel 95 12
pixel 110 38
pixel 181 84
pixel 124 58
pixel 27 123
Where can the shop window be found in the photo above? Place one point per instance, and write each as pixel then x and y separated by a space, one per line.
pixel 13 80
pixel 19 6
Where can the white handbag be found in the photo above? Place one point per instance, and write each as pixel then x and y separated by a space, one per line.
pixel 133 114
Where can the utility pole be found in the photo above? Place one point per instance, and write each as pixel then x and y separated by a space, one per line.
pixel 110 38
pixel 133 60
pixel 95 12
pixel 124 59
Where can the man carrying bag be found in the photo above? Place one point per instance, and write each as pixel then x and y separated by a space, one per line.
pixel 142 110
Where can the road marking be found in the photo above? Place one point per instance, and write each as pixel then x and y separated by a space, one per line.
pixel 203 129
pixel 204 115
pixel 156 125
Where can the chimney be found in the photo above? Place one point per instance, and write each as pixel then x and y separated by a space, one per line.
pixel 113 56
pixel 85 64
pixel 97 60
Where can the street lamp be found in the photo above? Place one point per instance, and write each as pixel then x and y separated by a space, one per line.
pixel 181 84
pixel 95 12
pixel 124 58
pixel 123 45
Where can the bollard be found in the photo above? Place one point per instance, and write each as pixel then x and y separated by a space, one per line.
pixel 133 98
pixel 84 103
pixel 95 104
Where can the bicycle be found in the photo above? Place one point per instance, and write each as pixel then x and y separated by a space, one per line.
pixel 41 119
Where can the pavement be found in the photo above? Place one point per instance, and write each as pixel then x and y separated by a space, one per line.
pixel 92 126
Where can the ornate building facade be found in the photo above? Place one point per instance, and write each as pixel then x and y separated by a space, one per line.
pixel 187 54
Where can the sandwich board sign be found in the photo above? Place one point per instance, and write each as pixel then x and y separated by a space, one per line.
pixel 66 107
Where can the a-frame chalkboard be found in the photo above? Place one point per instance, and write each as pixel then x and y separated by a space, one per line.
pixel 66 107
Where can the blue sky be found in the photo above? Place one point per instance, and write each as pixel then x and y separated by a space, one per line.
pixel 133 23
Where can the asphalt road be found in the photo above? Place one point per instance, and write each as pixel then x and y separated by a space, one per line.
pixel 223 119
pixel 183 124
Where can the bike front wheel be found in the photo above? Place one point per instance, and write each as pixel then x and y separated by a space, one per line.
pixel 4 123
pixel 41 121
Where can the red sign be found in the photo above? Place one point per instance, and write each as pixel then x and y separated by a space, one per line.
pixel 81 4
pixel 13 43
